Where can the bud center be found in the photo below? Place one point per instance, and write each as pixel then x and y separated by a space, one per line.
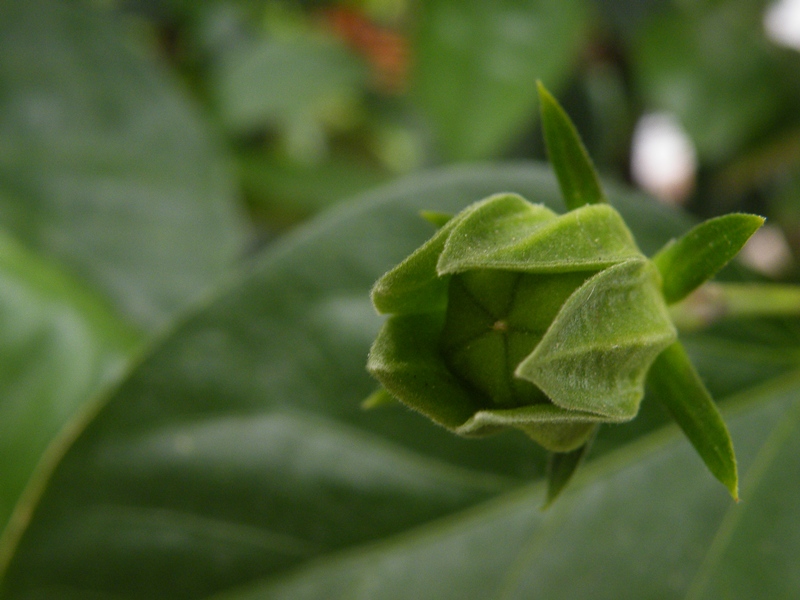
pixel 494 321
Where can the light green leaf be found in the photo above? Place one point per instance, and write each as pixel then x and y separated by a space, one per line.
pixel 509 233
pixel 104 165
pixel 697 256
pixel 596 354
pixel 679 388
pixel 476 64
pixel 60 345
pixel 576 174
pixel 280 82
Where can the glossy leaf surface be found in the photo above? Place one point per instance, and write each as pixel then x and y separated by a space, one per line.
pixel 223 390
pixel 238 450
pixel 679 388
pixel 645 522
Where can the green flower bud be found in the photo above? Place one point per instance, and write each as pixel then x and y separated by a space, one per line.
pixel 514 316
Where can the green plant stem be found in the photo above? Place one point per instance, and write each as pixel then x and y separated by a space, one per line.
pixel 716 301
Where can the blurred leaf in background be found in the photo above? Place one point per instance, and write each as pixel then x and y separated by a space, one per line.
pixel 476 66
pixel 105 166
pixel 116 209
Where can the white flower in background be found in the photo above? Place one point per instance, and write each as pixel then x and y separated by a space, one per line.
pixel 782 23
pixel 663 158
pixel 767 252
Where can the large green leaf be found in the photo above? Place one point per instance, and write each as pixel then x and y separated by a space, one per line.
pixel 60 345
pixel 476 65
pixel 645 522
pixel 238 449
pixel 103 163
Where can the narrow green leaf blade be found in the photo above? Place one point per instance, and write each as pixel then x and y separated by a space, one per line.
pixel 378 398
pixel 697 256
pixel 436 218
pixel 678 386
pixel 576 174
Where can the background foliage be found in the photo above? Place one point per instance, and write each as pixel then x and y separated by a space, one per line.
pixel 184 337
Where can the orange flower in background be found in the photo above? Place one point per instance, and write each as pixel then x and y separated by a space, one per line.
pixel 385 49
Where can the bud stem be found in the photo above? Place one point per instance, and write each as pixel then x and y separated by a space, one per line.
pixel 716 301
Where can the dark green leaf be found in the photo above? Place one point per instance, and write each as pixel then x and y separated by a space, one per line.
pixel 247 419
pixel 697 256
pixel 576 174
pixel 677 385
pixel 286 189
pixel 644 522
pixel 104 165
